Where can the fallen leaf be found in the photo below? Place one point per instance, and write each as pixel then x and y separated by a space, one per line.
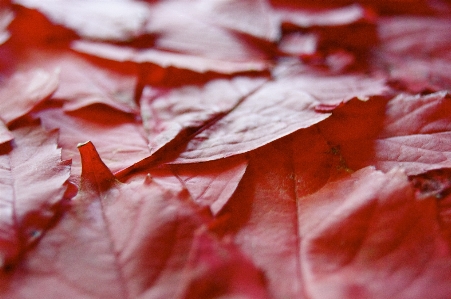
pixel 167 113
pixel 211 32
pixel 212 183
pixel 262 215
pixel 119 21
pixel 265 149
pixel 331 25
pixel 275 110
pixel 25 90
pixel 82 82
pixel 221 270
pixel 165 59
pixel 119 137
pixel 378 241
pixel 415 52
pixel 121 233
pixel 32 178
pixel 410 132
pixel 5 134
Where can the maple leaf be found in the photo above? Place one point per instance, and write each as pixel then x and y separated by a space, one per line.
pixel 262 214
pixel 23 91
pixel 122 20
pixel 69 78
pixel 409 132
pixel 412 63
pixel 275 110
pixel 32 178
pixel 260 149
pixel 212 183
pixel 379 224
pixel 163 59
pixel 167 113
pixel 120 139
pixel 114 241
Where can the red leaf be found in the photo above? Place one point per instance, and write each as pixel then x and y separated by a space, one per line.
pixel 377 241
pixel 411 132
pixel 24 90
pixel 82 82
pixel 210 35
pixel 167 113
pixel 318 232
pixel 32 179
pixel 212 183
pixel 263 214
pixel 221 270
pixel 120 139
pixel 415 52
pixel 331 25
pixel 119 21
pixel 122 241
pixel 164 59
pixel 273 156
pixel 5 134
pixel 275 110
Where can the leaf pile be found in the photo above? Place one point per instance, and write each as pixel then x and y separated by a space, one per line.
pixel 225 149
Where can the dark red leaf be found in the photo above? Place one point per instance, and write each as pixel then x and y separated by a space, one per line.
pixel 222 270
pixel 411 132
pixel 377 241
pixel 263 214
pixel 82 82
pixel 212 183
pixel 124 241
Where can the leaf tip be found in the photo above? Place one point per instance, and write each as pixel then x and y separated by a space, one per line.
pixel 83 143
pixel 93 169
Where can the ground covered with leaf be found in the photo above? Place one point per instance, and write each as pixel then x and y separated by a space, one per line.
pixel 225 149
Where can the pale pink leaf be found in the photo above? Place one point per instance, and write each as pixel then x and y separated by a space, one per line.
pixel 32 178
pixel 24 90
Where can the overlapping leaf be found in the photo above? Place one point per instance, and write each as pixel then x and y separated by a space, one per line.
pixel 25 90
pixel 211 32
pixel 119 21
pixel 213 183
pixel 277 109
pixel 319 232
pixel 167 114
pixel 263 213
pixel 246 173
pixel 411 132
pixel 78 81
pixel 129 241
pixel 120 139
pixel 165 59
pixel 32 178
pixel 415 51
pixel 378 241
